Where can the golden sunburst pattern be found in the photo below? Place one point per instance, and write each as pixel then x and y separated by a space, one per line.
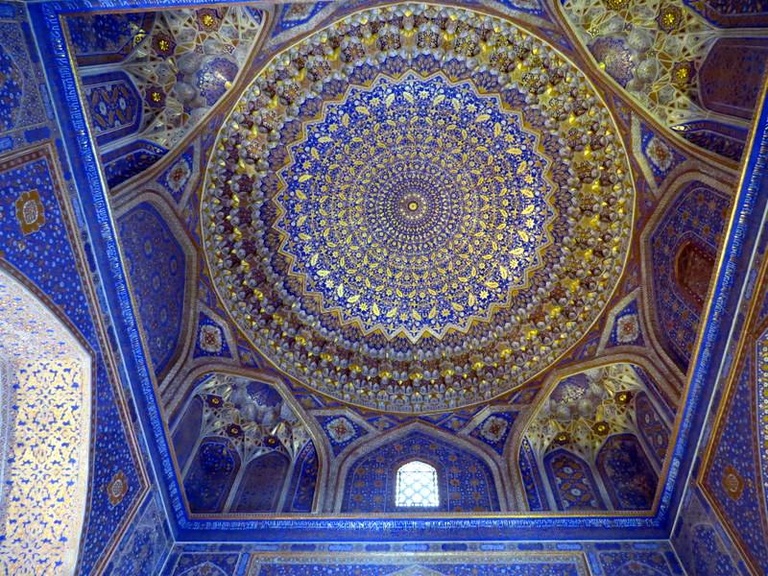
pixel 414 207
pixel 417 208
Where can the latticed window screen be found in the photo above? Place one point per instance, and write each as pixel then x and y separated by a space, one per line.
pixel 416 485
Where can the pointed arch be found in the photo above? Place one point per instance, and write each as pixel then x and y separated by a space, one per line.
pixel 693 208
pixel 627 473
pixel 45 386
pixel 279 465
pixel 367 476
pixel 211 475
pixel 572 482
pixel 259 489
pixel 161 267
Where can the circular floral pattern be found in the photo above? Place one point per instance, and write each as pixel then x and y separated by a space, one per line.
pixel 417 208
pixel 420 233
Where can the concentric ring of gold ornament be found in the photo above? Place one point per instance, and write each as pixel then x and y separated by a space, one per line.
pixel 442 269
pixel 400 264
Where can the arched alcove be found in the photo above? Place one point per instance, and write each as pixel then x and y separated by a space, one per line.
pixel 572 482
pixel 211 475
pixel 599 436
pixel 626 472
pixel 466 482
pixel 679 246
pixel 694 264
pixel 45 390
pixel 158 258
pixel 652 427
pixel 301 492
pixel 262 483
pixel 241 447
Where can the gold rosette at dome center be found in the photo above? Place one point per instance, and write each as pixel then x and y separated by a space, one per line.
pixel 414 206
pixel 417 208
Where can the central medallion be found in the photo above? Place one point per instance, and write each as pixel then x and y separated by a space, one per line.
pixel 417 208
pixel 414 206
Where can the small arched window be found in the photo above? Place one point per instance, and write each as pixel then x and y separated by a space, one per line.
pixel 416 485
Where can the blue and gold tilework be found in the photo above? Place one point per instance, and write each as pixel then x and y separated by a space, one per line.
pixel 157 266
pixel 731 473
pixel 697 216
pixel 466 481
pixel 413 229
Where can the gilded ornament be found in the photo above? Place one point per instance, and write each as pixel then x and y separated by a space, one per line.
pixel 669 18
pixel 117 488
pixel 683 74
pixel 407 216
pixel 616 4
pixel 732 482
pixel 30 212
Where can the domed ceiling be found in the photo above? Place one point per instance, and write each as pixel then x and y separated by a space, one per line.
pixel 380 287
pixel 472 236
pixel 417 208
